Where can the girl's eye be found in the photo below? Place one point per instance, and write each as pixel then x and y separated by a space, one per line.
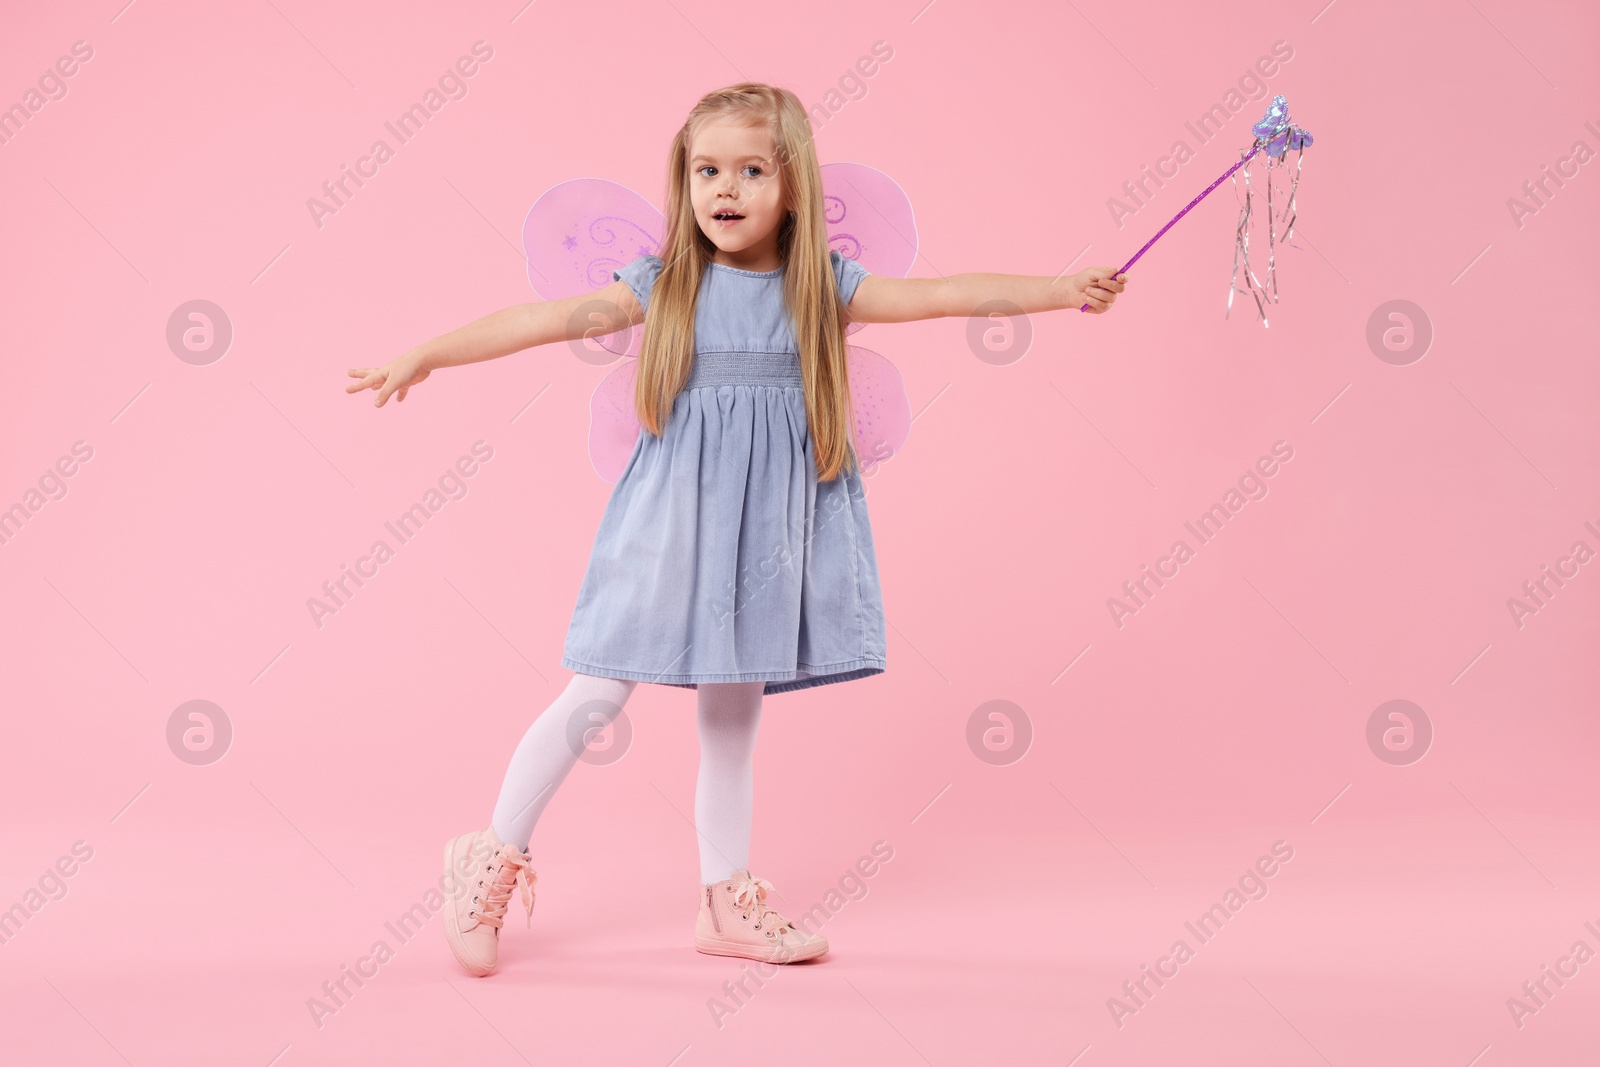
pixel 748 166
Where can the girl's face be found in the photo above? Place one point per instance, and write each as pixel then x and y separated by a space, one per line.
pixel 733 170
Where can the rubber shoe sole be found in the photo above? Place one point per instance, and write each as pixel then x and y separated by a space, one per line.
pixel 729 948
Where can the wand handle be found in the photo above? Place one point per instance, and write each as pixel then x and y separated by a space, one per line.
pixel 1185 211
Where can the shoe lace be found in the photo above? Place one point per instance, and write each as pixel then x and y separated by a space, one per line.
pixel 510 868
pixel 750 895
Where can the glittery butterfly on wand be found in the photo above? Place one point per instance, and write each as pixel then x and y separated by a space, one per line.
pixel 581 230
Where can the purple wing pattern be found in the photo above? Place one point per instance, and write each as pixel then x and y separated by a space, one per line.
pixel 869 220
pixel 882 409
pixel 579 231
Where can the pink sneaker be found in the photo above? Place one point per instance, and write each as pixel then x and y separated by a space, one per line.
pixel 484 869
pixel 735 920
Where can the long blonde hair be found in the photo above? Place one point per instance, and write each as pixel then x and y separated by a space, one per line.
pixel 810 291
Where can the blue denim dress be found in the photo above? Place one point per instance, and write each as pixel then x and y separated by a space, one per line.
pixel 720 557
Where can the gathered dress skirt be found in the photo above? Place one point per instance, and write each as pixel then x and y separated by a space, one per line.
pixel 721 557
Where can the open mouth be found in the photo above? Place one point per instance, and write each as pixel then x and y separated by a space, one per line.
pixel 727 216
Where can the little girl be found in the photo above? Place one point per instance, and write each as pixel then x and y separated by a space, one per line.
pixel 734 556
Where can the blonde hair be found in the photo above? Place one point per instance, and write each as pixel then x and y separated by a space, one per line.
pixel 810 290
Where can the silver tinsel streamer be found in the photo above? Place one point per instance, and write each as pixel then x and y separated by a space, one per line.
pixel 1264 293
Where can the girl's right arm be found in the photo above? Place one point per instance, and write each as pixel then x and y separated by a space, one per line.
pixel 503 332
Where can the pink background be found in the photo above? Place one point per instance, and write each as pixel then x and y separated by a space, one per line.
pixel 1227 715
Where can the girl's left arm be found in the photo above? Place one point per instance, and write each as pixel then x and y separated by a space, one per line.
pixel 879 298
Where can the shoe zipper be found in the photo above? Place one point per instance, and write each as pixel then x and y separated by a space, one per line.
pixel 711 904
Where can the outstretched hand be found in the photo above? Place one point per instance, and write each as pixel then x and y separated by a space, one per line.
pixel 1097 287
pixel 396 375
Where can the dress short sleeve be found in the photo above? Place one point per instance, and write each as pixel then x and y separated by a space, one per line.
pixel 641 277
pixel 847 272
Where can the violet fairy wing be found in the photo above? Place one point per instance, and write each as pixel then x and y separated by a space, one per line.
pixel 614 427
pixel 580 231
pixel 575 235
pixel 881 408
pixel 870 220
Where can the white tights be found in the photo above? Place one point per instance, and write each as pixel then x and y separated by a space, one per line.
pixel 729 714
